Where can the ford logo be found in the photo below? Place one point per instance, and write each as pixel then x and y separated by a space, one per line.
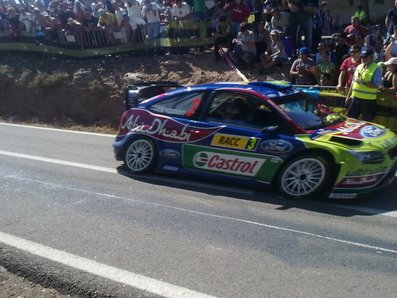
pixel 372 131
pixel 170 153
pixel 276 146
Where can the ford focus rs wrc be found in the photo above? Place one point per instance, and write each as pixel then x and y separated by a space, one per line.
pixel 266 133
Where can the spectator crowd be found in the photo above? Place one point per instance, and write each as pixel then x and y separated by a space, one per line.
pixel 303 34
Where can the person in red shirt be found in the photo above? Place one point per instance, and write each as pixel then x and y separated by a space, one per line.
pixel 238 12
pixel 348 68
pixel 355 29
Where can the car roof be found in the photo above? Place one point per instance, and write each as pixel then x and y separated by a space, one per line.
pixel 271 89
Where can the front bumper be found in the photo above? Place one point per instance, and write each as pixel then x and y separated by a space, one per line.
pixel 358 192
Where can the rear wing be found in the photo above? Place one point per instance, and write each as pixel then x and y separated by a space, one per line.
pixel 141 91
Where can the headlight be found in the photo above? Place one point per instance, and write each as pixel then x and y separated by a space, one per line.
pixel 368 157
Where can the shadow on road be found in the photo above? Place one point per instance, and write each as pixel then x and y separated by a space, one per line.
pixel 374 204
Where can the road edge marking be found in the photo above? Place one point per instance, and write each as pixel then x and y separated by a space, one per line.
pixel 58 129
pixel 109 272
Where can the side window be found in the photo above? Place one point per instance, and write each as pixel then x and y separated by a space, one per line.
pixel 183 105
pixel 241 110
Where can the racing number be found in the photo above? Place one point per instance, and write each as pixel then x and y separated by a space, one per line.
pixel 251 144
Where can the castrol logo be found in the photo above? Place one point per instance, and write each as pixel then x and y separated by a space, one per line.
pixel 226 163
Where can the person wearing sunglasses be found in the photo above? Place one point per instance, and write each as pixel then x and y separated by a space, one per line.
pixel 366 81
pixel 348 68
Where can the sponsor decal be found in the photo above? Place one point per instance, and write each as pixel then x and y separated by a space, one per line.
pixel 349 127
pixel 276 146
pixel 372 131
pixel 343 196
pixel 227 163
pixel 170 153
pixel 170 168
pixel 161 109
pixel 367 171
pixel 163 128
pixel 234 141
pixel 361 181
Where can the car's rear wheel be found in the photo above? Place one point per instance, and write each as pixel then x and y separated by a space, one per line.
pixel 304 176
pixel 140 156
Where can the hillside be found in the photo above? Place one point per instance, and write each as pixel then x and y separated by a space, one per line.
pixel 89 93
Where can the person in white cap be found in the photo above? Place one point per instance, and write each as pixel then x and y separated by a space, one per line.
pixel 390 76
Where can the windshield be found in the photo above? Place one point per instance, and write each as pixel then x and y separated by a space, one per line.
pixel 309 113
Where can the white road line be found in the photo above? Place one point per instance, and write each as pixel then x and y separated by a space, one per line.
pixel 367 210
pixel 60 162
pixel 299 232
pixel 58 129
pixel 114 171
pixel 190 183
pixel 112 273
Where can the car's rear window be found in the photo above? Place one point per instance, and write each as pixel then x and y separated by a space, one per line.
pixel 182 105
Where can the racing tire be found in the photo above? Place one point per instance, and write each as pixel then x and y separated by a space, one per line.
pixel 140 156
pixel 305 176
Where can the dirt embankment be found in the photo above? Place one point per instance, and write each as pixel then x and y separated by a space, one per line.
pixel 89 93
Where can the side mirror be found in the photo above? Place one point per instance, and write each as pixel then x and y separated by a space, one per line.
pixel 269 129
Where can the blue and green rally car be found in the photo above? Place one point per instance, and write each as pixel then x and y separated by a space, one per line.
pixel 266 133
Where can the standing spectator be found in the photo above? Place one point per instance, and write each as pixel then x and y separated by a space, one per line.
pixel 244 49
pixel 199 9
pixel 221 36
pixel 391 19
pixel 322 47
pixel 302 12
pixel 379 52
pixel 341 49
pixel 65 14
pixel 12 20
pixel 366 81
pixel 280 20
pixel 325 66
pixel 326 18
pixel 135 18
pixel 78 10
pixel 348 68
pixel 181 12
pixel 26 20
pixel 52 26
pixel 90 25
pixel 123 24
pixel 275 54
pixel 302 70
pixel 391 49
pixel 355 29
pixel 361 15
pixel 95 6
pixel 238 13
pixel 372 38
pixel 150 12
pixel 109 23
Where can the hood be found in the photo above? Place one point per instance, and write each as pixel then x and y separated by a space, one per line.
pixel 354 132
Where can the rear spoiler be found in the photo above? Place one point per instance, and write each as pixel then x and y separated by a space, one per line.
pixel 141 91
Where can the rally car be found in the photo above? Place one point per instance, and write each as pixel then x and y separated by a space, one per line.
pixel 265 133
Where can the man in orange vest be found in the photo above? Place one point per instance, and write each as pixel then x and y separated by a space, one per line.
pixel 366 81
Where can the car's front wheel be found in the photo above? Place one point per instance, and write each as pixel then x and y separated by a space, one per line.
pixel 304 176
pixel 140 156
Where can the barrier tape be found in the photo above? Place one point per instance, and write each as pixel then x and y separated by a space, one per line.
pixel 226 56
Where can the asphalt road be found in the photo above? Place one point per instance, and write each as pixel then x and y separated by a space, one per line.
pixel 71 216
